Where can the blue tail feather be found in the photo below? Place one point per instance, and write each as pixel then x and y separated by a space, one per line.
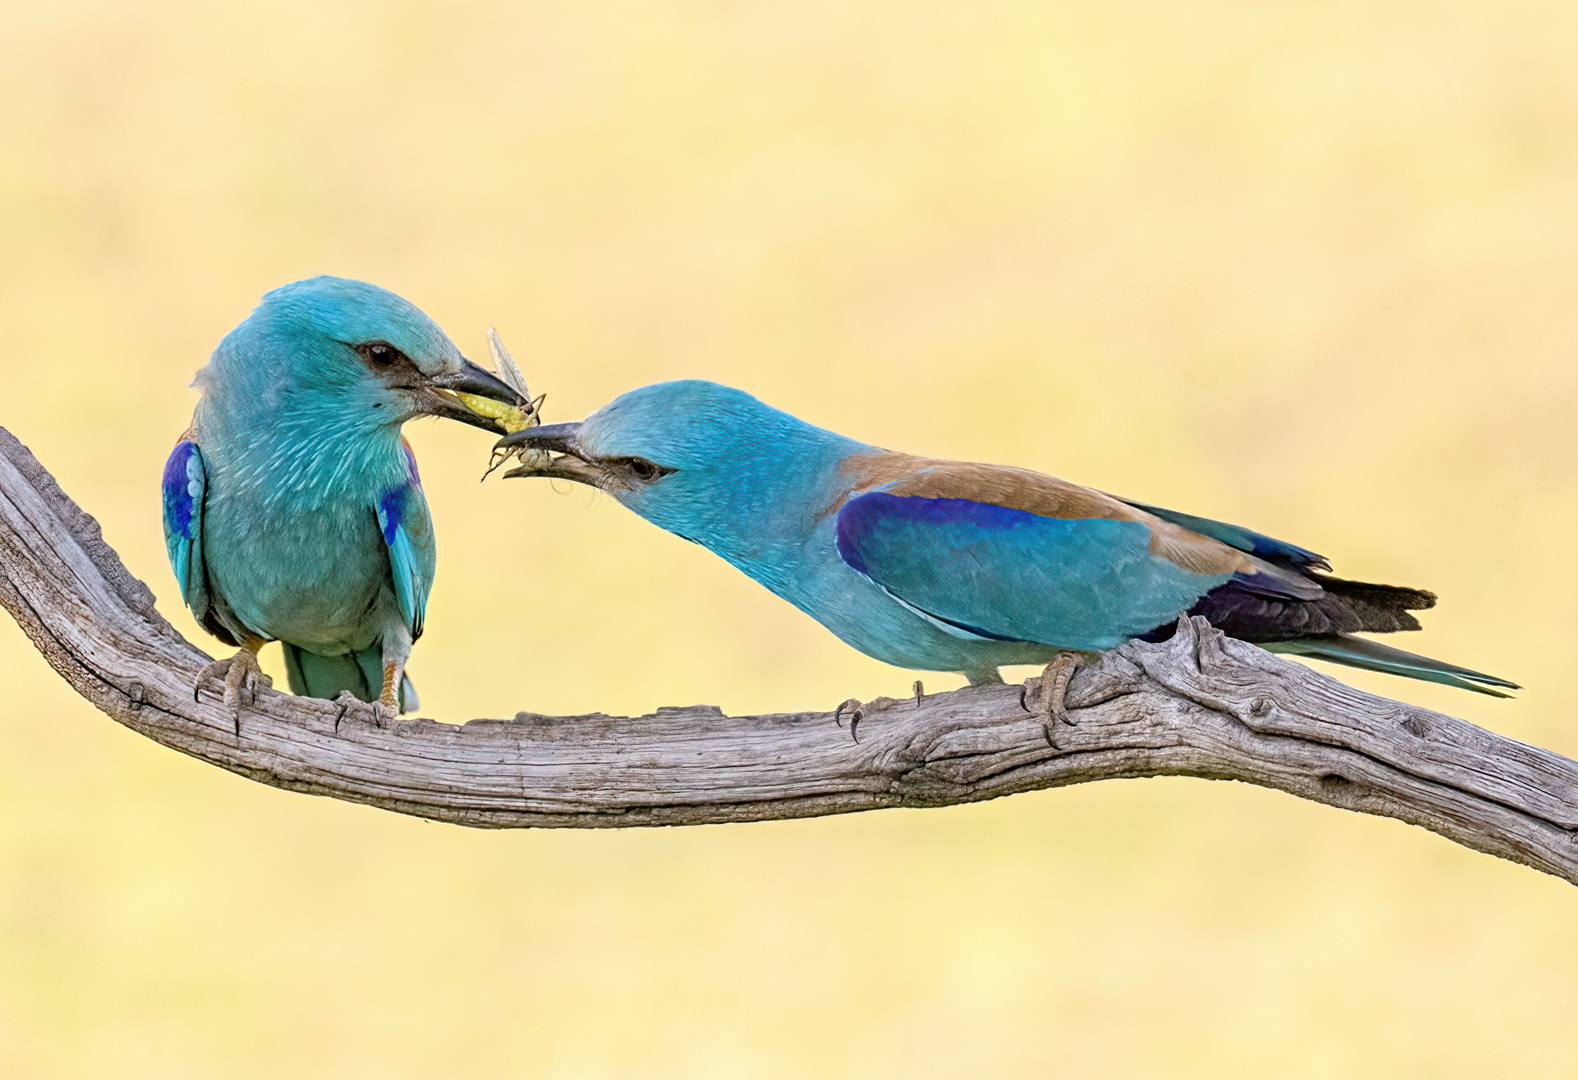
pixel 313 675
pixel 1372 656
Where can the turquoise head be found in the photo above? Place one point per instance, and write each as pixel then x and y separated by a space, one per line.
pixel 337 358
pixel 708 462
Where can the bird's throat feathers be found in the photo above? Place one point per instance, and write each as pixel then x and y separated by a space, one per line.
pixel 300 457
pixel 294 430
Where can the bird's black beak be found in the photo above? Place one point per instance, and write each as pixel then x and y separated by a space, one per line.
pixel 558 454
pixel 552 438
pixel 439 397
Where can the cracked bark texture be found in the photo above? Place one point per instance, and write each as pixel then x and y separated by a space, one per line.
pixel 1200 704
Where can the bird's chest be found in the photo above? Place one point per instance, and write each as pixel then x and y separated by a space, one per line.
pixel 819 582
pixel 315 576
pixel 809 573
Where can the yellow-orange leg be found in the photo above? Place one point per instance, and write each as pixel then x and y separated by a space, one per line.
pixel 394 674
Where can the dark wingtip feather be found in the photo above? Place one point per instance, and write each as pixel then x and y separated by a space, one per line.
pixel 1248 612
pixel 1269 548
pixel 1388 596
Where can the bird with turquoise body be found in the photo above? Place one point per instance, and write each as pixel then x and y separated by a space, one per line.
pixel 958 566
pixel 293 510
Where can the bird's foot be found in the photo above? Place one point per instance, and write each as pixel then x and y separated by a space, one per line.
pixel 1052 691
pixel 858 711
pixel 379 712
pixel 242 676
pixel 387 707
pixel 346 701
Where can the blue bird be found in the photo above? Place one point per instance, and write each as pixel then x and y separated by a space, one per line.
pixel 956 566
pixel 293 510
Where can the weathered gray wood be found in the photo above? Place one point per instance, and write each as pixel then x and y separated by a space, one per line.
pixel 1198 705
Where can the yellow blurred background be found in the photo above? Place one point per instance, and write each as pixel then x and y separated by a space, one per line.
pixel 1309 267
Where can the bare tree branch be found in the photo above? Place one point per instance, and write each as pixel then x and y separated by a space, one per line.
pixel 1200 705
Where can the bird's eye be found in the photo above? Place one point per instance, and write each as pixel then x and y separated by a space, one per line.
pixel 644 470
pixel 380 354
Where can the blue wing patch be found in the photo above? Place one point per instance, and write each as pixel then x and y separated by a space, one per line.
pixel 408 531
pixel 184 488
pixel 995 572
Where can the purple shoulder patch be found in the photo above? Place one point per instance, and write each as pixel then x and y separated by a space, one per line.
pixel 178 490
pixel 860 516
pixel 390 509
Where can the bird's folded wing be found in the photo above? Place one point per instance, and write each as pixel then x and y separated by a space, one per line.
pixel 408 531
pixel 984 570
pixel 184 488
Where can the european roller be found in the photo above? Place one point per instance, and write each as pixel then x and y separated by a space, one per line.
pixel 293 510
pixel 956 566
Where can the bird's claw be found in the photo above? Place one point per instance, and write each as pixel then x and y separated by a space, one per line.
pixel 1052 692
pixel 859 710
pixel 380 712
pixel 346 701
pixel 857 713
pixel 242 676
